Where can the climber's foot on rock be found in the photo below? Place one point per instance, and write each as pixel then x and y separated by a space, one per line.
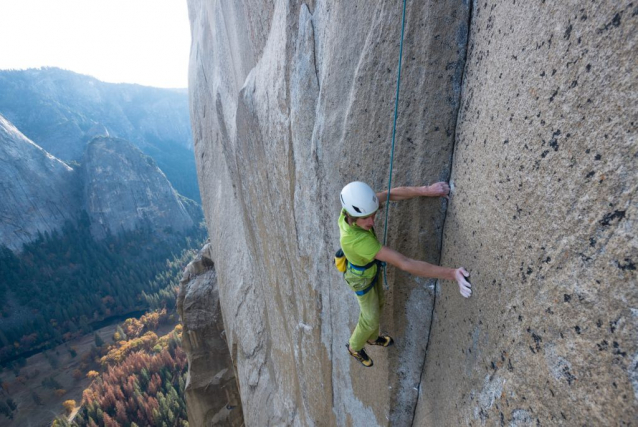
pixel 382 340
pixel 361 356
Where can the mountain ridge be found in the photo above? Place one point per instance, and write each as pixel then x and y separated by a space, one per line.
pixel 119 187
pixel 62 111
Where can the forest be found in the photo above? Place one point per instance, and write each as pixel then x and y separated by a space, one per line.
pixel 141 384
pixel 63 283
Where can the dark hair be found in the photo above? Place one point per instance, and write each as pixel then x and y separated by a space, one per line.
pixel 349 218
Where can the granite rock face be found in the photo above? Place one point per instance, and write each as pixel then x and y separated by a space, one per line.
pixel 544 216
pixel 38 192
pixel 290 101
pixel 124 189
pixel 212 396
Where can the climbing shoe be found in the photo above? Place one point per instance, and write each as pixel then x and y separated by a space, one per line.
pixel 383 341
pixel 361 356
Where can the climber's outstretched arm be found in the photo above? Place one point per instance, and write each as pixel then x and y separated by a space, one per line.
pixel 440 189
pixel 424 269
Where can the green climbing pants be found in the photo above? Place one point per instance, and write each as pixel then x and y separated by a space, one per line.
pixel 370 306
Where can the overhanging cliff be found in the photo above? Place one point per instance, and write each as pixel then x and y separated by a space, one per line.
pixel 290 101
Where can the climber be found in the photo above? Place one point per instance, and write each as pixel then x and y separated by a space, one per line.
pixel 364 254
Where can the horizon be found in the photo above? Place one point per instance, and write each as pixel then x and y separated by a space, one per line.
pixel 45 67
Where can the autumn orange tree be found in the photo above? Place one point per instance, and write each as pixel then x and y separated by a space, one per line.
pixel 133 327
pixel 143 385
pixel 69 406
pixel 124 348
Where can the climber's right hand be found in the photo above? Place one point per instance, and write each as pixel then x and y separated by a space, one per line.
pixel 465 287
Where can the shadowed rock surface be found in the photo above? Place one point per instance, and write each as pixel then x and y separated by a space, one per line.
pixel 124 189
pixel 38 192
pixel 290 101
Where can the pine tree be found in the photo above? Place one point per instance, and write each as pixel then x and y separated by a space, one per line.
pixel 36 398
pixel 121 332
pixel 99 342
pixel 60 422
pixel 5 410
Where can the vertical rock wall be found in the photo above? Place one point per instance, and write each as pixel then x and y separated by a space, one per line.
pixel 290 101
pixel 544 215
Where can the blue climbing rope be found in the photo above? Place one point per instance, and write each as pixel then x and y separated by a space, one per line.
pixel 394 131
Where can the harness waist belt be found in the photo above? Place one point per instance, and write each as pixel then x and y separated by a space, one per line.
pixel 366 290
pixel 363 267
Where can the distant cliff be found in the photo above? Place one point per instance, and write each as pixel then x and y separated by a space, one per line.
pixel 38 191
pixel 527 108
pixel 124 189
pixel 117 185
pixel 62 111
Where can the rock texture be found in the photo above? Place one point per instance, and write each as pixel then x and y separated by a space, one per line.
pixel 62 111
pixel 212 395
pixel 124 189
pixel 544 216
pixel 38 192
pixel 290 101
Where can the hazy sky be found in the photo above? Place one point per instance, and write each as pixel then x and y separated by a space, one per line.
pixel 132 41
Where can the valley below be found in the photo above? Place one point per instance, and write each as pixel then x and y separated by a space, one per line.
pixel 23 387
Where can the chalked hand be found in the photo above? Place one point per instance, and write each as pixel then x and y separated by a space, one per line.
pixel 439 189
pixel 465 287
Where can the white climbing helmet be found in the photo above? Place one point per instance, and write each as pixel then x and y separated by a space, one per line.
pixel 358 199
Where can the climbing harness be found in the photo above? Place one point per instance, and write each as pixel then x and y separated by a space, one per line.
pixel 394 130
pixel 363 268
pixel 342 264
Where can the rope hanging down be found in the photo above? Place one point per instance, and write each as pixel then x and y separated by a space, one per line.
pixel 394 131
